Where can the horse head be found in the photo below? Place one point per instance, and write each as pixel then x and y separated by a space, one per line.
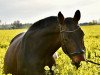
pixel 72 37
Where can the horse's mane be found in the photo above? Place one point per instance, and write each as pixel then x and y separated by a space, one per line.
pixel 44 23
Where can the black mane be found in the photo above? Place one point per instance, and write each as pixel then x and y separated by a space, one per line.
pixel 44 23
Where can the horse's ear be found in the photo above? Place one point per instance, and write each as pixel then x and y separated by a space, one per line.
pixel 77 16
pixel 60 18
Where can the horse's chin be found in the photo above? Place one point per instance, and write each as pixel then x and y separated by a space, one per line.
pixel 76 64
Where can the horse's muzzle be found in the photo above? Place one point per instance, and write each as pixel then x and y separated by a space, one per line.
pixel 77 59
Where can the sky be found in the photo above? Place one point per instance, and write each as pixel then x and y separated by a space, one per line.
pixel 30 11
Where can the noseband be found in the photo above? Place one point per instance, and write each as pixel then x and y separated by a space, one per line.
pixel 76 52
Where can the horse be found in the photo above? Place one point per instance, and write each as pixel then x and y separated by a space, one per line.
pixel 31 51
pixel 49 63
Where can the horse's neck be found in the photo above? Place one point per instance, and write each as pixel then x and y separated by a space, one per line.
pixel 43 42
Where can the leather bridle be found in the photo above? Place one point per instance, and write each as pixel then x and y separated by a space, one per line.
pixel 70 31
pixel 76 51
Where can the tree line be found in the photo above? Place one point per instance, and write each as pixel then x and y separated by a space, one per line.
pixel 15 25
pixel 93 22
pixel 18 25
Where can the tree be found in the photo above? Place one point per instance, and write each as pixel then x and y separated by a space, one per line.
pixel 0 22
pixel 16 24
pixel 94 22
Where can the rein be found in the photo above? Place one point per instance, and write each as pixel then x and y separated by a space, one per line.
pixel 92 62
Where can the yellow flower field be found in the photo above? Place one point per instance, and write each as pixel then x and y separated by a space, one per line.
pixel 64 66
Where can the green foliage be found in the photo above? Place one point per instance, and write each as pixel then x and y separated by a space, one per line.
pixel 64 66
pixel 16 25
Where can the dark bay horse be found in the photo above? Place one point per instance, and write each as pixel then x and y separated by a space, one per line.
pixel 29 52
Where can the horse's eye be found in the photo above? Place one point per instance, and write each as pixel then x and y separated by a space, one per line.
pixel 81 36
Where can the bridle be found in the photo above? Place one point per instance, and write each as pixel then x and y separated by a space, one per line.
pixel 76 51
pixel 70 31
